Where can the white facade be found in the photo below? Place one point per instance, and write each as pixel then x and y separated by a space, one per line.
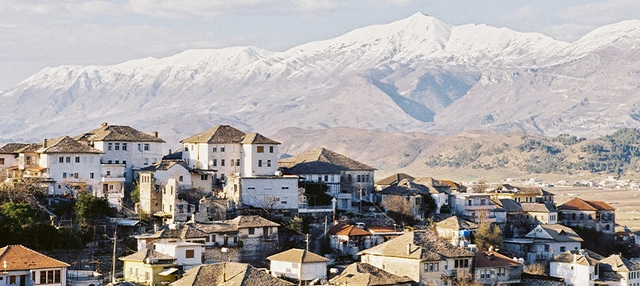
pixel 187 254
pixel 475 206
pixel 259 159
pixel 113 178
pixel 71 170
pixel 574 273
pixel 134 155
pixel 8 161
pixel 310 270
pixel 273 192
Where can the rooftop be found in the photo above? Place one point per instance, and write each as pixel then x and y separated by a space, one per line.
pixel 368 275
pixel 584 205
pixel 117 133
pixel 494 259
pixel 228 274
pixel 19 257
pixel 421 245
pixel 295 255
pixel 321 161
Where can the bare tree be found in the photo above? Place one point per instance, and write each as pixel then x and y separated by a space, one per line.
pixel 398 208
pixel 480 187
pixel 535 268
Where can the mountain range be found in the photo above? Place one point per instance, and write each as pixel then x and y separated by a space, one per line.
pixel 417 74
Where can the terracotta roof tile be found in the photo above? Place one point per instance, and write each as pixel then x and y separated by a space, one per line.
pixel 148 253
pixel 494 259
pixel 583 205
pixel 347 230
pixel 19 257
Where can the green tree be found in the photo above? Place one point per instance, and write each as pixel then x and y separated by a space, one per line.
pixel 89 207
pixel 135 195
pixel 488 235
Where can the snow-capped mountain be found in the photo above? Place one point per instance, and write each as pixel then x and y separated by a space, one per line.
pixel 415 74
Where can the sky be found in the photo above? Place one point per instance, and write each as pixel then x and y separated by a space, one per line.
pixel 35 34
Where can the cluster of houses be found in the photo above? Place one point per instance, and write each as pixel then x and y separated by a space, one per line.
pixel 195 191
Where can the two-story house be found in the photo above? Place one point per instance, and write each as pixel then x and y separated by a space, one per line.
pixel 591 214
pixel 544 242
pixel 493 268
pixel 298 264
pixel 149 267
pixel 422 256
pixel 578 267
pixel 523 194
pixel 124 145
pixel 347 180
pixel 476 207
pixel 23 266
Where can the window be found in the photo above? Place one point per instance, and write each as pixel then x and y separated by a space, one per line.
pixel 117 146
pixel 432 267
pixel 124 162
pixel 204 177
pixel 259 163
pixel 563 248
pixel 117 161
pixel 215 149
pixel 140 147
pixel 108 173
pixel 77 159
pixel 270 149
pixel 124 146
pixel 181 178
pixel 252 230
pixel 268 163
pixel 146 275
pixel 109 146
pixel 260 149
pixel 91 175
pixel 12 279
pixel 285 188
pixel 75 175
pixel 501 272
pixel 222 149
pixel 221 162
pixel 146 147
pixel 155 160
pixel 237 162
pixel 189 253
pixel 215 162
pixel 64 175
pixel 68 159
pixel 233 161
pixel 61 160
pixel 109 162
pixel 146 161
pixel 326 178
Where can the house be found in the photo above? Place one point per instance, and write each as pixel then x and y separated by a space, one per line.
pixel 577 267
pixel 187 254
pixel 544 242
pixel 538 280
pixel 456 230
pixel 540 213
pixel 493 268
pixel 365 274
pixel 348 238
pixel 416 195
pixel 298 264
pixel 9 153
pixel 186 177
pixel 347 179
pixel 591 214
pixel 264 192
pixel 440 190
pixel 422 256
pixel 228 274
pixel 149 267
pixel 393 179
pixel 23 266
pixel 231 151
pixel 516 222
pixel 124 145
pixel 617 270
pixel 523 194
pixel 476 207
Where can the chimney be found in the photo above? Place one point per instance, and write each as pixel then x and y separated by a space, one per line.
pixel 408 248
pixel 575 257
pixel 155 133
pixel 44 143
pixel 105 124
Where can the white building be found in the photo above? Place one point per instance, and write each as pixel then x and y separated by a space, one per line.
pixel 266 192
pixel 298 264
pixel 231 151
pixel 9 154
pixel 476 207
pixel 124 145
pixel 187 254
pixel 544 242
pixel 185 177
pixel 577 267
pixel 25 267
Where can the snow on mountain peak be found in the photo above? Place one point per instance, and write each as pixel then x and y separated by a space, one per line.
pixel 625 33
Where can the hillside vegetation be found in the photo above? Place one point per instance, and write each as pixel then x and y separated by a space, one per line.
pixel 471 155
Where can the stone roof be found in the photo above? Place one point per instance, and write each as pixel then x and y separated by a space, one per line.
pixel 204 229
pixel 618 263
pixel 144 254
pixel 494 259
pixel 164 165
pixel 584 205
pixel 257 138
pixel 456 223
pixel 235 274
pixel 423 245
pixel 537 207
pixel 508 205
pixel 117 133
pixel 19 257
pixel 294 255
pixel 368 275
pixel 66 144
pixel 321 161
pixel 557 232
pixel 221 134
pixel 507 188
pixel 347 230
pixel 12 148
pixel 582 257
pixel 395 178
pixel 406 187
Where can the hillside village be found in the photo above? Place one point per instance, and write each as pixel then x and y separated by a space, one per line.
pixel 113 206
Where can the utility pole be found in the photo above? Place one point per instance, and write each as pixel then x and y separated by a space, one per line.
pixel 113 259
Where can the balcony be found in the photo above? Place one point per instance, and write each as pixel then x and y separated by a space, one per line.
pixel 113 178
pixel 479 207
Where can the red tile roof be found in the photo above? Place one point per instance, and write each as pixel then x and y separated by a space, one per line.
pixel 19 257
pixel 348 230
pixel 583 205
pixel 494 259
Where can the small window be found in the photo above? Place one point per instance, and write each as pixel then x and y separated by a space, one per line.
pixel 268 163
pixel 61 160
pixel 181 178
pixel 146 147
pixel 189 253
pixel 68 159
pixel 91 175
pixel 204 177
pixel 270 149
pixel 222 149
pixel 140 147
pixel 124 146
pixel 260 149
pixel 237 162
pixel 215 162
pixel 252 230
pixel 64 175
pixel 109 146
pixel 117 147
pixel 259 163
pixel 146 161
pixel 75 175
pixel 221 162
pixel 215 149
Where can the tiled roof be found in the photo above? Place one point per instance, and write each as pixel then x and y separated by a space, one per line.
pixel 368 275
pixel 257 138
pixel 117 133
pixel 235 274
pixel 456 223
pixel 19 257
pixel 559 233
pixel 494 259
pixel 221 134
pixel 584 205
pixel 221 226
pixel 347 230
pixel 406 187
pixel 66 144
pixel 321 161
pixel 582 257
pixel 537 207
pixel 507 188
pixel 507 205
pixel 394 179
pixel 147 253
pixel 618 263
pixel 164 165
pixel 294 255
pixel 245 221
pixel 421 245
pixel 12 148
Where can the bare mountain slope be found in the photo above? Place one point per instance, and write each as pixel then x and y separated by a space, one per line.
pixel 415 74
